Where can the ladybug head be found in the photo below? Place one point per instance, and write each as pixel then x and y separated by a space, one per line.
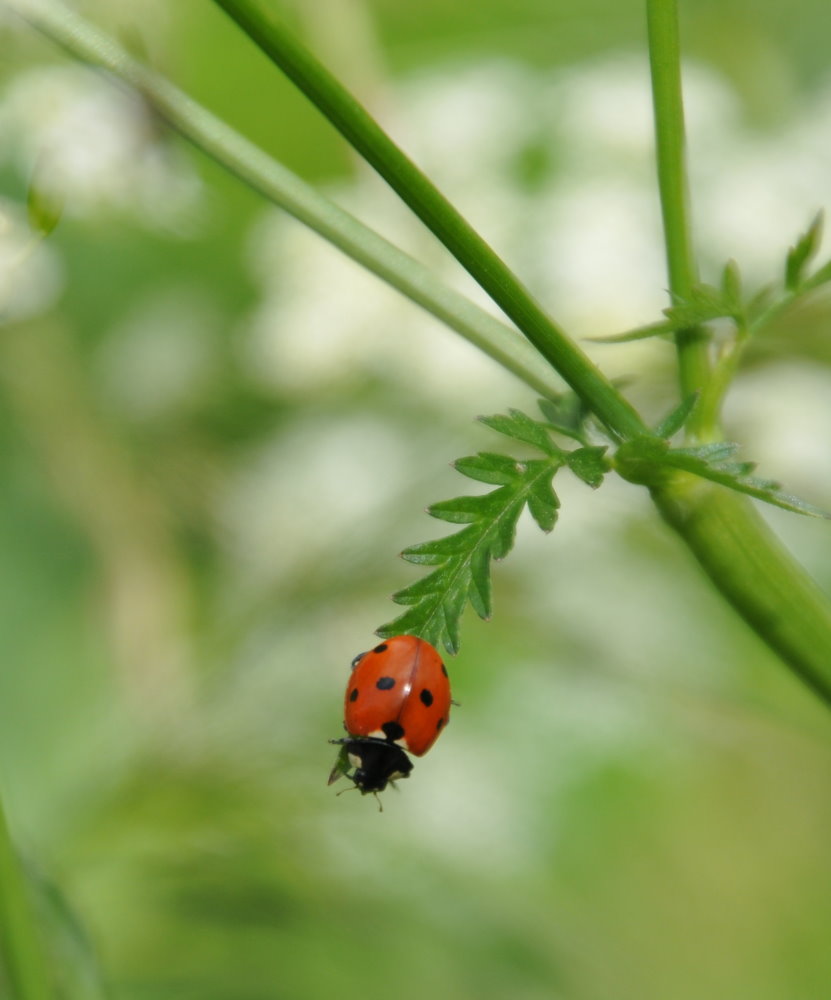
pixel 370 763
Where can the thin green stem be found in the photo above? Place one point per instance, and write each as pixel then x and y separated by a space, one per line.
pixel 290 193
pixel 430 205
pixel 745 563
pixel 665 63
pixel 21 947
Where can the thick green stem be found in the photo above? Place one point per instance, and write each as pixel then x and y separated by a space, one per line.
pixel 753 571
pixel 743 560
pixel 739 553
pixel 422 196
pixel 21 947
pixel 665 63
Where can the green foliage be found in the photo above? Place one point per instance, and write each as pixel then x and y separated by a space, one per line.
pixel 566 414
pixel 462 560
pixel 589 464
pixel 707 303
pixel 647 461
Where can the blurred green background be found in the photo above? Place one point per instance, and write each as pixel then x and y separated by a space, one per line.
pixel 216 434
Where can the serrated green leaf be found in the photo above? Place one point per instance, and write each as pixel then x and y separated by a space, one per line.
pixel 504 530
pixel 462 561
pixel 704 304
pixel 800 255
pixel 773 485
pixel 430 584
pixel 566 414
pixel 463 510
pixel 589 464
pixel 676 418
pixel 412 622
pixel 713 452
pixel 487 467
pixel 641 460
pixel 479 588
pixel 543 504
pixel 565 409
pixel 451 620
pixel 522 428
pixel 425 553
pixel 659 329
pixel 760 489
pixel 738 469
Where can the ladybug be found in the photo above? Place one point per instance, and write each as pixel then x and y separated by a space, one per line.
pixel 397 699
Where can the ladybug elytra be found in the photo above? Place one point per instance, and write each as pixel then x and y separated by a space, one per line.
pixel 397 702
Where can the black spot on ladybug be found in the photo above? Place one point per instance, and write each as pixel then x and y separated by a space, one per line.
pixel 385 683
pixel 392 730
pixel 380 649
pixel 439 724
pixel 426 697
pixel 444 670
pixel 354 695
pixel 357 660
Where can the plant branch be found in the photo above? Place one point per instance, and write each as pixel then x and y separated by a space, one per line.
pixel 730 540
pixel 429 204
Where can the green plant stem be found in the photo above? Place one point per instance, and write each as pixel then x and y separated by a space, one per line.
pixel 729 539
pixel 430 205
pixel 665 64
pixel 755 573
pixel 732 543
pixel 744 561
pixel 290 193
pixel 21 947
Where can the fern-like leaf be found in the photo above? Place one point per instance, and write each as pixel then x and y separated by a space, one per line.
pixel 462 561
pixel 642 459
pixel 716 464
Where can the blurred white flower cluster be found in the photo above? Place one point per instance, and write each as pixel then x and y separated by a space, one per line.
pixel 95 150
pixel 556 170
pixel 97 147
pixel 30 272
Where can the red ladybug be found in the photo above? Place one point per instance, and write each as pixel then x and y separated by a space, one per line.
pixel 397 699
